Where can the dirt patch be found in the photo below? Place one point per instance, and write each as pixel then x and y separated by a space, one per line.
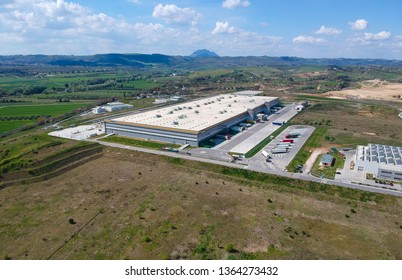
pixel 369 114
pixel 311 75
pixel 373 89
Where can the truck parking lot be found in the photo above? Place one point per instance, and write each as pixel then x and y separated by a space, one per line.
pixel 281 160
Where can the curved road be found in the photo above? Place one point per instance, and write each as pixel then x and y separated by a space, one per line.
pixel 261 167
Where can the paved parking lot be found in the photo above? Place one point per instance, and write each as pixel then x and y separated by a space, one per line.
pixel 283 160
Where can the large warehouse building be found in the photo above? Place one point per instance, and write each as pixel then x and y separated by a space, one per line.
pixel 381 161
pixel 192 122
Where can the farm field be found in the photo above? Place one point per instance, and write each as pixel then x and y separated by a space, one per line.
pixel 129 205
pixel 56 80
pixel 13 124
pixel 39 109
pixel 141 84
pixel 17 115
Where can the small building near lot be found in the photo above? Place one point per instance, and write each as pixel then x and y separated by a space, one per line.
pixel 115 106
pixel 98 110
pixel 111 107
pixel 327 160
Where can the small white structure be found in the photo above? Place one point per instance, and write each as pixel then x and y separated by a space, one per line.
pixel 98 110
pixel 176 98
pixel 115 106
pixel 160 101
pixel 299 108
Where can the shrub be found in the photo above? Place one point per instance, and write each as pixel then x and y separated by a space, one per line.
pixel 229 248
pixel 146 239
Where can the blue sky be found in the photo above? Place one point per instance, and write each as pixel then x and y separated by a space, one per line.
pixel 306 28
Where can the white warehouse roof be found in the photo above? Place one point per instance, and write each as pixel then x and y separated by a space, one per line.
pixel 196 115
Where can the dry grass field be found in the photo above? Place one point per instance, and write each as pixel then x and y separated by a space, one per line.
pixel 353 123
pixel 128 205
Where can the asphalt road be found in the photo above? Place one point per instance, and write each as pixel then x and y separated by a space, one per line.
pixel 261 167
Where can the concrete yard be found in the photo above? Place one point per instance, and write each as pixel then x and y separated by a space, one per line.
pixel 247 139
pixel 81 132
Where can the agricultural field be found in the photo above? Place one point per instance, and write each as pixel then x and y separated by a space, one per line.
pixel 16 115
pixel 54 80
pixel 130 205
pixel 40 109
pixel 141 84
pixel 13 124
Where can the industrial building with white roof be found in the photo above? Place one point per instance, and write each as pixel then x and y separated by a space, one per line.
pixel 380 160
pixel 192 122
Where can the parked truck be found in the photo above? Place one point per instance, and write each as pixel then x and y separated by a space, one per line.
pixel 288 141
pixel 292 135
pixel 244 124
pixel 278 122
pixel 265 153
pixel 279 151
pixel 237 128
pixel 283 146
pixel 222 136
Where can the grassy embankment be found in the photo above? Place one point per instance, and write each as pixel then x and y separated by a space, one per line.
pixel 138 143
pixel 37 156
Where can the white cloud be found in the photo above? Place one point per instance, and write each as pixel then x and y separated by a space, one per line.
pixel 307 39
pixel 63 27
pixel 383 35
pixel 328 31
pixel 360 24
pixel 223 27
pixel 231 4
pixel 171 13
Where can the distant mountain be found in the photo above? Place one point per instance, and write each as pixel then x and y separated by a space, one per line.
pixel 201 59
pixel 203 53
